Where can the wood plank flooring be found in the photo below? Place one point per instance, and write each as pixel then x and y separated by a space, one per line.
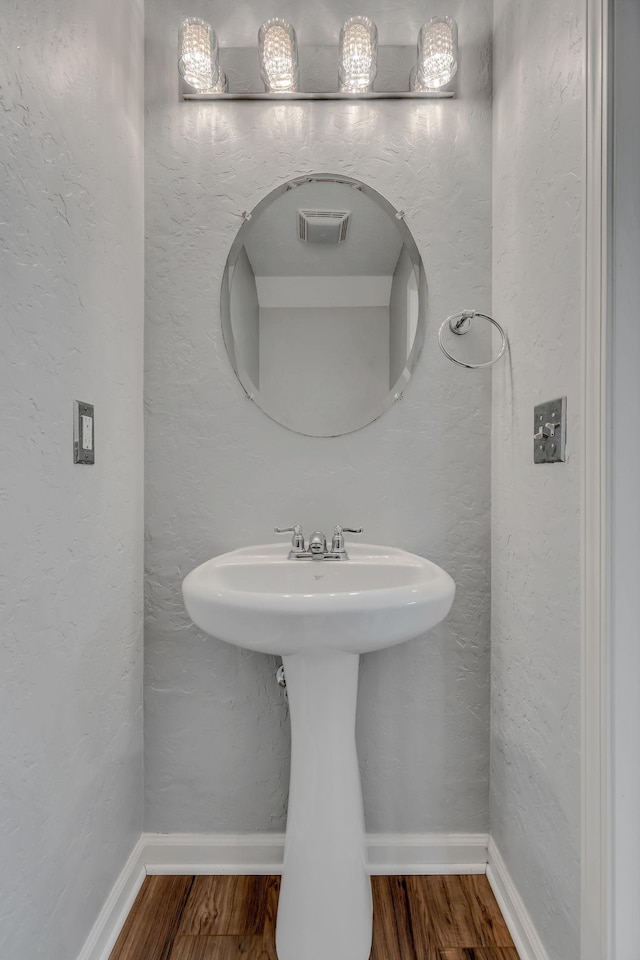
pixel 233 918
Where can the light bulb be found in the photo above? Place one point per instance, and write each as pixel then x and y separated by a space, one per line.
pixel 198 54
pixel 278 56
pixel 358 55
pixel 437 54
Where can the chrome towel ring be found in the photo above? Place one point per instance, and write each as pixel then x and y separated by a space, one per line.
pixel 460 323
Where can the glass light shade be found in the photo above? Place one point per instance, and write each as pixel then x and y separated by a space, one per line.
pixel 414 83
pixel 437 53
pixel 221 85
pixel 358 55
pixel 278 49
pixel 198 54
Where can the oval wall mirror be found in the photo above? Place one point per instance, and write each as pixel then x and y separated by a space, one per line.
pixel 323 303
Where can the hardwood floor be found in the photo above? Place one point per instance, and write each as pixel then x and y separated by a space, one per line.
pixel 233 918
pixel 152 925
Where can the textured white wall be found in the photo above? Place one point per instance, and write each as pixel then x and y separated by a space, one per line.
pixel 346 348
pixel 539 144
pixel 71 308
pixel 220 473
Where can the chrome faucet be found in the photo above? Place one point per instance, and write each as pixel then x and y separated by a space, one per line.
pixel 317 546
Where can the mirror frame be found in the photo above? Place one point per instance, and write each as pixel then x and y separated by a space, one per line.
pixel 396 392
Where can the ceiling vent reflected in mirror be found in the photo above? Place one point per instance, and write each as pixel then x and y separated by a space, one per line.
pixel 323 226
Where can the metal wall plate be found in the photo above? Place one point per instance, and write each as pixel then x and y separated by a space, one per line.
pixel 550 431
pixel 83 433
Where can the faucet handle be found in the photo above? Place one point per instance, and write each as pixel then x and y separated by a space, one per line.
pixel 337 544
pixel 297 542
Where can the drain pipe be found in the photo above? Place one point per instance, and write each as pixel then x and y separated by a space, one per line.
pixel 282 680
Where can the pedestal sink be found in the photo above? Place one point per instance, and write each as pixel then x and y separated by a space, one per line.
pixel 319 616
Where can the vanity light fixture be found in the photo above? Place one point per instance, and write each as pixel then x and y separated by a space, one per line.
pixel 358 55
pixel 278 49
pixel 437 54
pixel 198 55
pixel 203 78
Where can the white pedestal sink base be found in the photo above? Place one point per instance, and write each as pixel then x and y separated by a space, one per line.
pixel 311 614
pixel 325 910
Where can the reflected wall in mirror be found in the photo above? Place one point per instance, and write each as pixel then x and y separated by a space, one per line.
pixel 323 304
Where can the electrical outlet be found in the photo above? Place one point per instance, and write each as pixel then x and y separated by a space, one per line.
pixel 83 433
pixel 550 431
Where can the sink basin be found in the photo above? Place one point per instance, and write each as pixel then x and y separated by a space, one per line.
pixel 320 616
pixel 257 598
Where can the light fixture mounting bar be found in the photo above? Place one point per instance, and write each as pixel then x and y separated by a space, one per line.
pixel 331 95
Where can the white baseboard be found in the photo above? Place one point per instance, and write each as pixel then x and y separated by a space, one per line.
pixel 263 853
pixel 427 853
pixel 197 854
pixel 115 911
pixel 521 927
